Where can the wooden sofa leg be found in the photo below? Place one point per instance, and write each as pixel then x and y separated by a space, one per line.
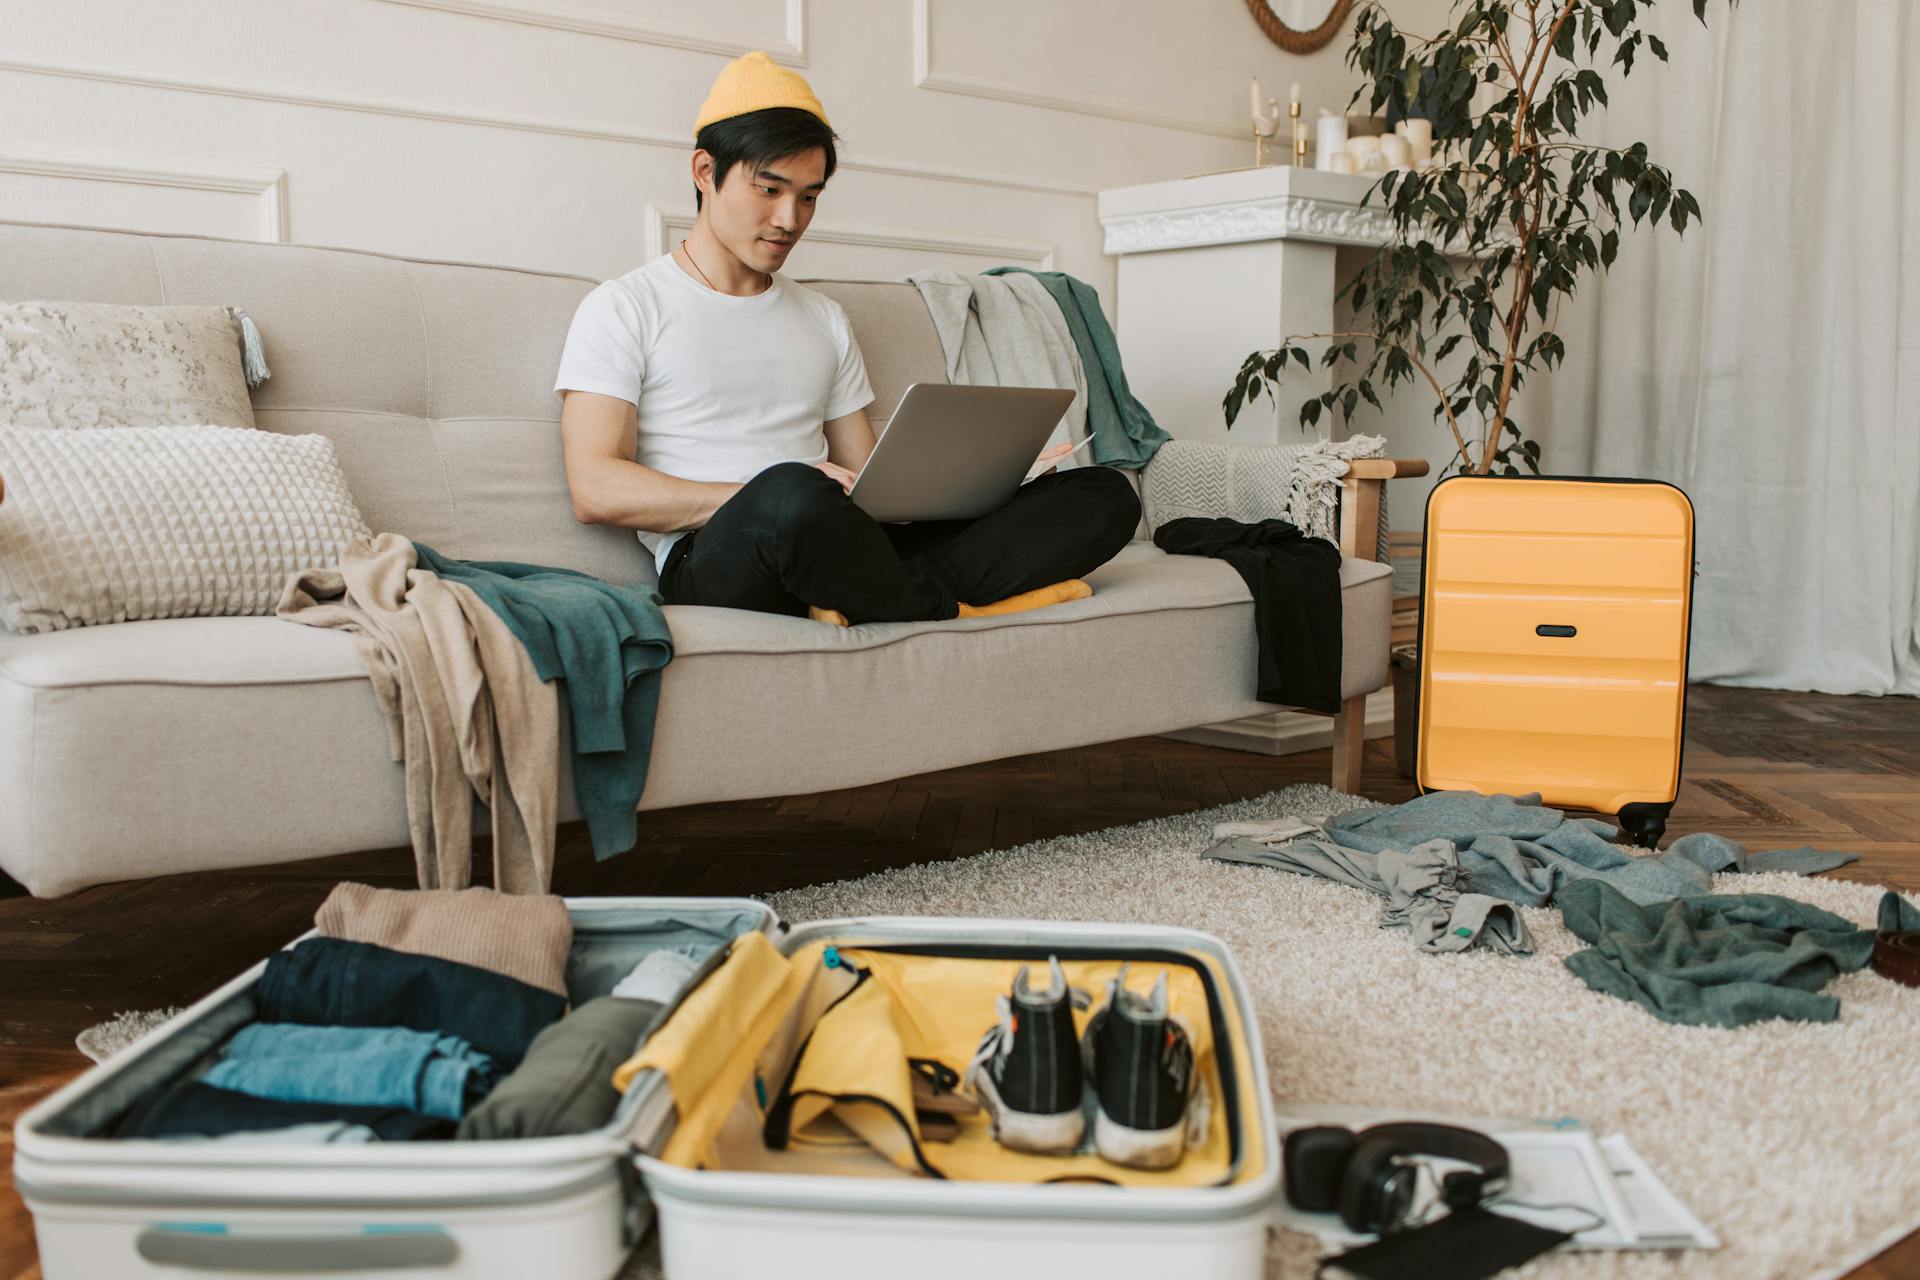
pixel 1349 744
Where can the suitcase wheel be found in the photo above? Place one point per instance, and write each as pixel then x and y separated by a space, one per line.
pixel 1645 823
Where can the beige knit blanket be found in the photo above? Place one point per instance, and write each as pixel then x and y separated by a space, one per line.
pixel 465 710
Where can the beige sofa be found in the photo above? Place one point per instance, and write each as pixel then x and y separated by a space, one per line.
pixel 147 748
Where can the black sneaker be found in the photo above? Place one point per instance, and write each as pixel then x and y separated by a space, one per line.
pixel 1027 1073
pixel 1141 1064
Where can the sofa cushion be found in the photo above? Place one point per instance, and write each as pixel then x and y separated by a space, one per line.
pixel 104 524
pixel 228 742
pixel 69 365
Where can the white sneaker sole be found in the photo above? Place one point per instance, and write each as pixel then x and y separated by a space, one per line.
pixel 1038 1133
pixel 1139 1148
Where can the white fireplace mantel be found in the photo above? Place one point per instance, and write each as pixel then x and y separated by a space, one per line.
pixel 1276 202
pixel 1215 267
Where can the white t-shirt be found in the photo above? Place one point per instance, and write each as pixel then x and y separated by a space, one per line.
pixel 725 387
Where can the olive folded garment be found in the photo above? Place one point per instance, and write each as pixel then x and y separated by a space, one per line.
pixel 565 1084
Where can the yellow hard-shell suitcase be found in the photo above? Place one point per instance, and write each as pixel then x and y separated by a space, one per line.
pixel 1554 619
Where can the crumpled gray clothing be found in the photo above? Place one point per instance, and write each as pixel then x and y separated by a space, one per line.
pixel 1513 847
pixel 1006 331
pixel 1720 960
pixel 1421 886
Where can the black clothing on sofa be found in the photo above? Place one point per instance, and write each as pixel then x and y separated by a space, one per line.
pixel 330 982
pixel 791 538
pixel 1295 582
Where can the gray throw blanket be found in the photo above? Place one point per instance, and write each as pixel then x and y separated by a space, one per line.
pixel 1006 331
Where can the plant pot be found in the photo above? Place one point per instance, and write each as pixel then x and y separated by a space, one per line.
pixel 1405 665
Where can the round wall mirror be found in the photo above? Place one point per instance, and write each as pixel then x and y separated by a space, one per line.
pixel 1299 26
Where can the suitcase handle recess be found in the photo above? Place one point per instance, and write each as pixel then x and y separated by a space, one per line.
pixel 217 1247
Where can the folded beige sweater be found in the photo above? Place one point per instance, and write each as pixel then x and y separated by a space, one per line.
pixel 524 936
pixel 465 709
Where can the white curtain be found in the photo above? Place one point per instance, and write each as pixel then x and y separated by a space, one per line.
pixel 1769 362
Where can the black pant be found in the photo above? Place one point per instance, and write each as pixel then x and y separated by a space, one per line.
pixel 791 538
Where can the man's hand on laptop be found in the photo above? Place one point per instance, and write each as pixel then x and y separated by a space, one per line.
pixel 844 476
pixel 1054 454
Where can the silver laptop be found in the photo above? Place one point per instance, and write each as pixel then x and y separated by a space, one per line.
pixel 956 452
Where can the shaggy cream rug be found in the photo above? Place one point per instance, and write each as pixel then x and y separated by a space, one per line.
pixel 1794 1142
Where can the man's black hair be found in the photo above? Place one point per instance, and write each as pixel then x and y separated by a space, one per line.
pixel 760 137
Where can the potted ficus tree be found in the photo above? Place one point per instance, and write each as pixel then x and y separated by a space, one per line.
pixel 1489 240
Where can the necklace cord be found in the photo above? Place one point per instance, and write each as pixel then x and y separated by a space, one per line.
pixel 703 275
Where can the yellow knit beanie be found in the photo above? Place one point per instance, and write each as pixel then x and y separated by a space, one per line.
pixel 754 82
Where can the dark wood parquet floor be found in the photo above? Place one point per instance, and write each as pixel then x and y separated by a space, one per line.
pixel 1774 770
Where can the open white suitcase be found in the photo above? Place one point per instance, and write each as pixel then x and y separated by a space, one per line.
pixel 576 1206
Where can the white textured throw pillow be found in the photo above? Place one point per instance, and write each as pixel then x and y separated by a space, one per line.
pixel 69 365
pixel 121 524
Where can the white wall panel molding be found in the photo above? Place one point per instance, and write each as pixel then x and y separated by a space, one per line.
pixel 925 77
pixel 666 226
pixel 558 128
pixel 790 47
pixel 267 187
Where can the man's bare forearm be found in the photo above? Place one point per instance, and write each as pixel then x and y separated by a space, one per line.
pixel 630 496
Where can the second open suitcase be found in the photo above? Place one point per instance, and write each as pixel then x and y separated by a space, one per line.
pixel 1554 622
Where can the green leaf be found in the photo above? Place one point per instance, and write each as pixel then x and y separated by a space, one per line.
pixel 1659 50
pixel 1642 199
pixel 1563 42
pixel 1306 361
pixel 1310 413
pixel 1231 405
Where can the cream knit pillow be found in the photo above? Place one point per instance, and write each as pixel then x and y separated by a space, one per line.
pixel 67 365
pixel 120 524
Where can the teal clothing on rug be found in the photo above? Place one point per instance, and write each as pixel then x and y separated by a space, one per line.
pixel 1124 433
pixel 1515 848
pixel 1719 960
pixel 608 644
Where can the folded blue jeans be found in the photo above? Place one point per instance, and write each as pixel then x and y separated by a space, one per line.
pixel 329 982
pixel 422 1071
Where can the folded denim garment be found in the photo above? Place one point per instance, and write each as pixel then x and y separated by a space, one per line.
pixel 190 1107
pixel 328 982
pixel 356 1066
pixel 566 1083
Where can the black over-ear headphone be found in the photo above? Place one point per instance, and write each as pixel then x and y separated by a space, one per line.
pixel 1366 1178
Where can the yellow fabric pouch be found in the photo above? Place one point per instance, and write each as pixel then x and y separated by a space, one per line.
pixel 708 1047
